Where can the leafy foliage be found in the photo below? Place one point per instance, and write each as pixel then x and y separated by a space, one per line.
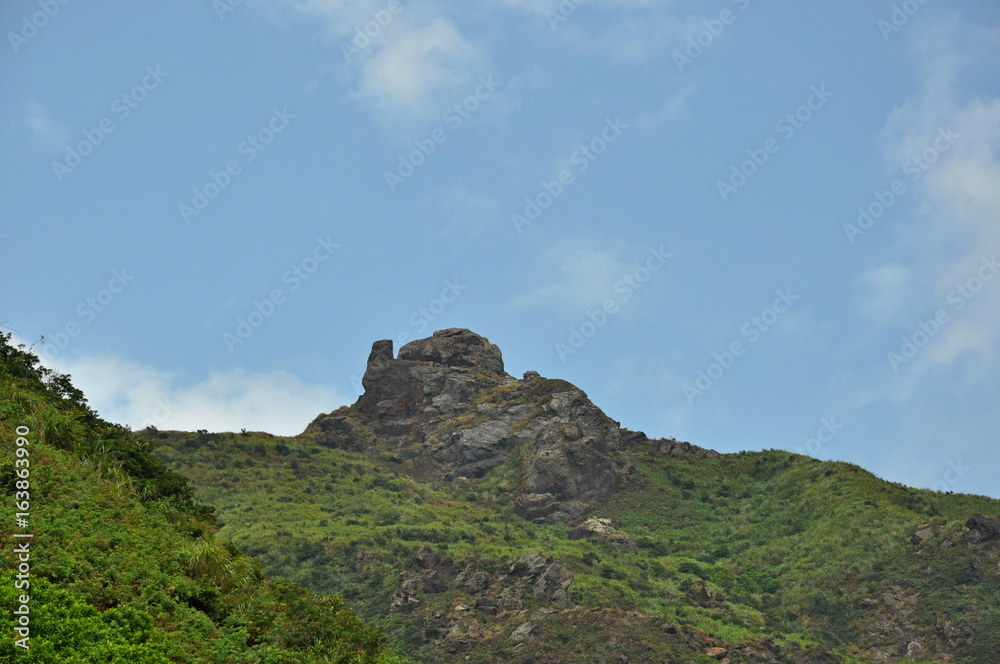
pixel 126 567
pixel 794 544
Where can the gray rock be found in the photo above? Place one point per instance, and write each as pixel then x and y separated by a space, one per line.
pixel 477 583
pixel 449 396
pixel 524 632
pixel 602 529
pixel 487 606
pixel 553 585
pixel 922 534
pixel 531 564
pixel 983 528
pixel 699 595
pixel 673 447
pixel 455 347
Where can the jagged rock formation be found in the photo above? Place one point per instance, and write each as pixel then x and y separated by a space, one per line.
pixel 448 398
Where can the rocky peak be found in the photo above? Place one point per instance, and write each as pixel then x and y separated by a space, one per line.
pixel 432 377
pixel 457 348
pixel 449 402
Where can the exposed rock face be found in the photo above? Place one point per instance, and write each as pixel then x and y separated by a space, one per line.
pixel 432 377
pixel 700 595
pixel 984 545
pixel 449 397
pixel 434 573
pixel 533 578
pixel 983 529
pixel 667 446
pixel 603 530
pixel 889 630
pixel 455 347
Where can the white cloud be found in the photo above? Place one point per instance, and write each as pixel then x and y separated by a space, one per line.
pixel 941 401
pixel 420 72
pixel 887 292
pixel 573 275
pixel 411 65
pixel 417 62
pixel 139 395
pixel 958 202
pixel 49 134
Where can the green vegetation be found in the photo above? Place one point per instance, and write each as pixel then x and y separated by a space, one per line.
pixel 794 544
pixel 126 567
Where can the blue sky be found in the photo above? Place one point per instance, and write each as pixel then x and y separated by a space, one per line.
pixel 748 225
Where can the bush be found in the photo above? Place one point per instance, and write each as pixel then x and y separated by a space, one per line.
pixel 651 546
pixel 688 567
pixel 609 572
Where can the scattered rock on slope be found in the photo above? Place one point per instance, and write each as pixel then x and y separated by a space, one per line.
pixel 603 530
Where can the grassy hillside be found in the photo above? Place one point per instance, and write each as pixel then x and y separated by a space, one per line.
pixel 125 566
pixel 812 555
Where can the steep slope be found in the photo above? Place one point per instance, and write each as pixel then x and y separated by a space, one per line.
pixel 123 566
pixel 502 520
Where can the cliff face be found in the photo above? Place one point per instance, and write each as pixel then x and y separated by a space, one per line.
pixel 449 398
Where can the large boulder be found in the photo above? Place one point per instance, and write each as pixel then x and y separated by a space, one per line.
pixel 457 348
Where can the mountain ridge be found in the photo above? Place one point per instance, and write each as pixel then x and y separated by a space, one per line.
pixel 480 517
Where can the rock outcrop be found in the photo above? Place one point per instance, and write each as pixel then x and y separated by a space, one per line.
pixel 983 529
pixel 700 595
pixel 984 546
pixel 449 397
pixel 602 529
